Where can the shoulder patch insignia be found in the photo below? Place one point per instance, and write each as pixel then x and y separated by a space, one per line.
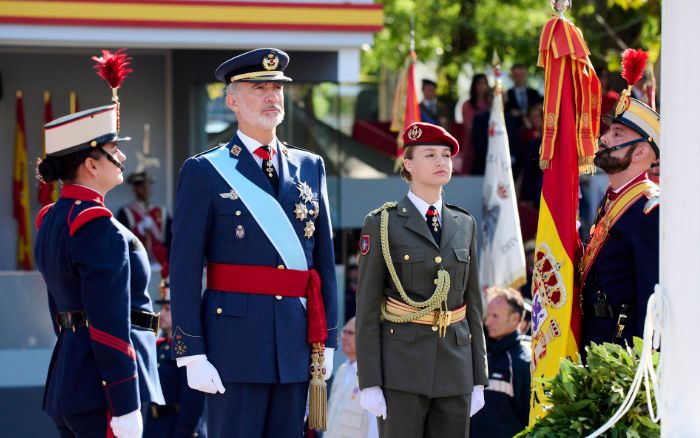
pixel 651 204
pixel 40 216
pixel 364 244
pixel 86 216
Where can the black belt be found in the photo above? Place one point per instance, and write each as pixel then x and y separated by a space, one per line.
pixel 78 319
pixel 603 310
pixel 158 411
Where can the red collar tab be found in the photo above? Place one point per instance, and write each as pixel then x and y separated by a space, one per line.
pixel 81 193
pixel 613 195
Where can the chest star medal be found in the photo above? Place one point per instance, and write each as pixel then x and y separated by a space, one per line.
pixel 309 229
pixel 300 211
pixel 305 192
pixel 232 195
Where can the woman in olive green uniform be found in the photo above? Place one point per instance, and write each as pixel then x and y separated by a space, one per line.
pixel 420 342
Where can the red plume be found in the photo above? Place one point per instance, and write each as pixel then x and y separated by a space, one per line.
pixel 112 67
pixel 633 63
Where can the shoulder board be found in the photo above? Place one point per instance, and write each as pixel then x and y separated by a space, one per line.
pixel 386 206
pixel 211 150
pixel 454 207
pixel 40 216
pixel 86 216
pixel 291 146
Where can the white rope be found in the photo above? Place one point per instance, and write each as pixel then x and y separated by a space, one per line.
pixel 654 326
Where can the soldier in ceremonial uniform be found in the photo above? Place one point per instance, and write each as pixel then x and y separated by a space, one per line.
pixel 255 211
pixel 103 368
pixel 183 413
pixel 620 266
pixel 420 342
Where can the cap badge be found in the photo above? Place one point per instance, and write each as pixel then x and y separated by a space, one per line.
pixel 623 103
pixel 414 133
pixel 271 61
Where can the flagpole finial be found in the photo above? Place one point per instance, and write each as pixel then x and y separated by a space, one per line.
pixel 496 64
pixel 561 6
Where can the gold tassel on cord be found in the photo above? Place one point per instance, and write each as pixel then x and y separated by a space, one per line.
pixel 318 403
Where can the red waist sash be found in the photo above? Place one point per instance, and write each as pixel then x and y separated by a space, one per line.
pixel 265 280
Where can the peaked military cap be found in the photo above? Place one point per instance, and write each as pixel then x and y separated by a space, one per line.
pixel 82 130
pixel 423 134
pixel 259 65
pixel 140 178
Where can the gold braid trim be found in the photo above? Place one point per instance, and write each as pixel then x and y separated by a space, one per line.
pixel 437 301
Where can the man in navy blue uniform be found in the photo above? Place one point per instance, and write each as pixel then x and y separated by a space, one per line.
pixel 620 266
pixel 255 212
pixel 183 413
pixel 103 368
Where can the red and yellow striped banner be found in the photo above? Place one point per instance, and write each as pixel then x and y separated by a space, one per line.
pixel 196 14
pixel 20 190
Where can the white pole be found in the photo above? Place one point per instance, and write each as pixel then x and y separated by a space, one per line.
pixel 680 216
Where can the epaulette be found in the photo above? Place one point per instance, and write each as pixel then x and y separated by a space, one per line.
pixel 454 207
pixel 653 195
pixel 40 216
pixel 386 206
pixel 291 146
pixel 211 150
pixel 86 216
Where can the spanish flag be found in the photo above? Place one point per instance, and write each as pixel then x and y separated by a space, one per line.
pixel 405 111
pixel 571 115
pixel 48 192
pixel 20 191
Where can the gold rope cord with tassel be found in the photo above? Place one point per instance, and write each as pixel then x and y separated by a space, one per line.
pixel 437 301
pixel 318 403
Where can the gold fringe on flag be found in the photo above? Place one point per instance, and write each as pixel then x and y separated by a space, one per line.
pixel 318 403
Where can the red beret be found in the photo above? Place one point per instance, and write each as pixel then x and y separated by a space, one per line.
pixel 422 134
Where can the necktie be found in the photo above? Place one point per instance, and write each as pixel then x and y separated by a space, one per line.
pixel 431 218
pixel 265 153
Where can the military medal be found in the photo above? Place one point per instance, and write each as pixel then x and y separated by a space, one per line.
pixel 240 231
pixel 232 195
pixel 269 168
pixel 305 192
pixel 309 229
pixel 300 211
pixel 436 224
pixel 314 211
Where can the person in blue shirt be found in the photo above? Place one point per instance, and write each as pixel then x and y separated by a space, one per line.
pixel 103 368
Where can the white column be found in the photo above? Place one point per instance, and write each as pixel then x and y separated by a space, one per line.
pixel 348 65
pixel 680 216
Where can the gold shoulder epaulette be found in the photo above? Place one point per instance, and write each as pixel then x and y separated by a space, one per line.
pixel 386 206
pixel 653 195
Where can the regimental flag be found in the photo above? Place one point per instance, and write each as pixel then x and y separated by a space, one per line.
pixel 502 259
pixel 405 110
pixel 572 112
pixel 48 193
pixel 20 190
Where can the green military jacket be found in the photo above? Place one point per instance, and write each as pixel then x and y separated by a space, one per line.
pixel 412 357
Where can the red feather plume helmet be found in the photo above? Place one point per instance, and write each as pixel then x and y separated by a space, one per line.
pixel 633 63
pixel 113 68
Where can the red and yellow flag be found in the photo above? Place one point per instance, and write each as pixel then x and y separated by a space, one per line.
pixel 20 191
pixel 572 109
pixel 48 193
pixel 405 109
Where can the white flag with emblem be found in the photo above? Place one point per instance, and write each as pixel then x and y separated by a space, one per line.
pixel 502 260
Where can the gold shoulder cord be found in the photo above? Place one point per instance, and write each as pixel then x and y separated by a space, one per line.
pixel 437 301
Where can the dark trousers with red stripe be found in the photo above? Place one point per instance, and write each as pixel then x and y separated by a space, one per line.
pixel 257 410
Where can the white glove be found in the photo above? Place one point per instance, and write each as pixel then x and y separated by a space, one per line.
pixel 477 399
pixel 328 362
pixel 127 426
pixel 145 224
pixel 372 399
pixel 202 376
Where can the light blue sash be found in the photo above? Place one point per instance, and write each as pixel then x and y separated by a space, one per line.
pixel 265 209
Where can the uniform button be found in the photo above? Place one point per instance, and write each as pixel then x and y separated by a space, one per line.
pixel 435 281
pixel 279 297
pixel 219 310
pixel 391 331
pixel 238 212
pixel 78 202
pixel 434 328
pixel 280 266
pixel 407 257
pixel 167 347
pixel 104 383
pixel 162 356
pixel 470 336
pixel 438 259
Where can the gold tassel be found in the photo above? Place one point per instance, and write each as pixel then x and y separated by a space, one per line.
pixel 586 166
pixel 545 164
pixel 318 403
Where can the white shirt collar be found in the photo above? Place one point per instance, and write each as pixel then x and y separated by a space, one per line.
pixel 423 206
pixel 252 144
